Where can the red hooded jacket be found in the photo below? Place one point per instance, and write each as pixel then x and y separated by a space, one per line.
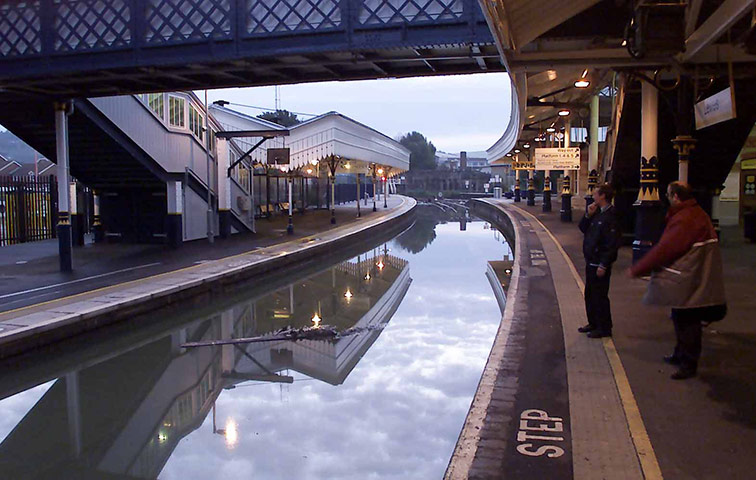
pixel 687 223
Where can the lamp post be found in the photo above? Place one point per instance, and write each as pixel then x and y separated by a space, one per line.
pixel 290 226
pixel 373 168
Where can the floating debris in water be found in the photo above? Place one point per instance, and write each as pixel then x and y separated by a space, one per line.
pixel 322 332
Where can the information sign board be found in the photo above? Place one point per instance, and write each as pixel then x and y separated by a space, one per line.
pixel 557 158
pixel 526 165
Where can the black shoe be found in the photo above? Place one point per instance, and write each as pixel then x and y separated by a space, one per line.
pixel 598 334
pixel 586 328
pixel 682 374
pixel 671 359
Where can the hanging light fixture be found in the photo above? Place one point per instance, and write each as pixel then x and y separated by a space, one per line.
pixel 564 112
pixel 583 81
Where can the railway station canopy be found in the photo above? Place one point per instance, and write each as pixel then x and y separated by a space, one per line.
pixel 333 135
pixel 559 54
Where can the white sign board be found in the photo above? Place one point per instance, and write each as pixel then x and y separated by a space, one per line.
pixel 557 158
pixel 715 109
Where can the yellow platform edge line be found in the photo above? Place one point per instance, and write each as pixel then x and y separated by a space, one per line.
pixel 643 447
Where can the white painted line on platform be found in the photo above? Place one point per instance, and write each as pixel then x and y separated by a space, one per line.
pixel 9 295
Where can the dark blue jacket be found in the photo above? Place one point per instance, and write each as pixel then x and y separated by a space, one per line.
pixel 602 237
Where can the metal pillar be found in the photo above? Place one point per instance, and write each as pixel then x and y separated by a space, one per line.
pixel 210 215
pixel 593 129
pixel 565 213
pixel 684 143
pixel 375 192
pixel 174 219
pixel 531 188
pixel 385 191
pixel 546 207
pixel 224 188
pixel 62 110
pixel 359 214
pixel 333 199
pixel 290 226
pixel 97 228
pixel 649 218
pixel 517 195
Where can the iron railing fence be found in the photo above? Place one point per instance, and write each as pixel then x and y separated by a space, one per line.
pixel 28 209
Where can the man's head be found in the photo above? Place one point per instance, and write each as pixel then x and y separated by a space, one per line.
pixel 678 192
pixel 603 195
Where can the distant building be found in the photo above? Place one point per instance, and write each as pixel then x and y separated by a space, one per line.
pixel 43 168
pixel 453 161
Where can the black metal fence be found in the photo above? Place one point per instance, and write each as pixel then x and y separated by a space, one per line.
pixel 28 209
pixel 307 192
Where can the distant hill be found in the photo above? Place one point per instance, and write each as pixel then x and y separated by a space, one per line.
pixel 13 148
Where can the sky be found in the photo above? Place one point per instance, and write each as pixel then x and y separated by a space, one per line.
pixel 456 113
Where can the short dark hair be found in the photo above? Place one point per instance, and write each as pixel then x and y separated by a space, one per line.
pixel 682 190
pixel 607 191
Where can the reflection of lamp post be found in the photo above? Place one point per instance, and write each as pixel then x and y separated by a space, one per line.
pixel 230 433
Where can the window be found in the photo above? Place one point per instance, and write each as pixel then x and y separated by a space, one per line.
pixel 211 141
pixel 195 123
pixel 156 103
pixel 176 111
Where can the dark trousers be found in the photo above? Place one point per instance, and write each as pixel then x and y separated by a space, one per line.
pixel 597 307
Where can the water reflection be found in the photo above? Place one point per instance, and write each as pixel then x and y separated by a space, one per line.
pixel 125 415
pixel 386 404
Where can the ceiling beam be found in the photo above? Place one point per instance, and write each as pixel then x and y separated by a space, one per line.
pixel 724 17
pixel 691 16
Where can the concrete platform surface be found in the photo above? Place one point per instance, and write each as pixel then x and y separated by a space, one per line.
pixel 623 416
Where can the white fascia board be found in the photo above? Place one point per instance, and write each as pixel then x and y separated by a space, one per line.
pixel 513 129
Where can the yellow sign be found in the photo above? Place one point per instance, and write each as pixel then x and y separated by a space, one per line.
pixel 748 164
pixel 523 165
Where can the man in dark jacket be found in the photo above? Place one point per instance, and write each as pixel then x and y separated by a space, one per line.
pixel 688 228
pixel 600 244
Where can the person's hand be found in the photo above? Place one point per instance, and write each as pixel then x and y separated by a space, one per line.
pixel 592 209
pixel 600 272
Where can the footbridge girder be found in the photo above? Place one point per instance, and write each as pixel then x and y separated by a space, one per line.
pixel 85 48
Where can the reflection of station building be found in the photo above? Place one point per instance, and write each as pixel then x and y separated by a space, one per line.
pixel 122 415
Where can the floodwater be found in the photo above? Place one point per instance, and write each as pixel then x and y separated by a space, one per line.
pixel 387 403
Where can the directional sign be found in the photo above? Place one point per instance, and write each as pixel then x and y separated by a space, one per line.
pixel 523 165
pixel 557 158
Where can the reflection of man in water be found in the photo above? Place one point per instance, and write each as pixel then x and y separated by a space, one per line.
pixel 600 244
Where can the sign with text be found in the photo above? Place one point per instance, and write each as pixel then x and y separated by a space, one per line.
pixel 523 165
pixel 557 158
pixel 715 109
pixel 278 156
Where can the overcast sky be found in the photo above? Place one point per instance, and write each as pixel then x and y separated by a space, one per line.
pixel 460 112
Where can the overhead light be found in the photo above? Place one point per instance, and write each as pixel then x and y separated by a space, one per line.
pixel 526 145
pixel 309 171
pixel 582 83
pixel 509 154
pixel 348 295
pixel 551 129
pixel 551 75
pixel 564 112
pixel 624 43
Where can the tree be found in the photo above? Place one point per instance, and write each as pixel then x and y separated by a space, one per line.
pixel 282 117
pixel 422 152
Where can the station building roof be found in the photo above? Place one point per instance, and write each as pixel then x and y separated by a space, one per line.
pixel 334 134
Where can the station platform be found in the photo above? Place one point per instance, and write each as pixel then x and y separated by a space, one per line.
pixel 553 403
pixel 39 304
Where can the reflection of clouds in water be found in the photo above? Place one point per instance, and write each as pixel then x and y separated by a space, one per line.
pixel 397 415
pixel 16 407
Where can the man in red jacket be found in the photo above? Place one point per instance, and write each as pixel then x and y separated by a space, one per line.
pixel 688 228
